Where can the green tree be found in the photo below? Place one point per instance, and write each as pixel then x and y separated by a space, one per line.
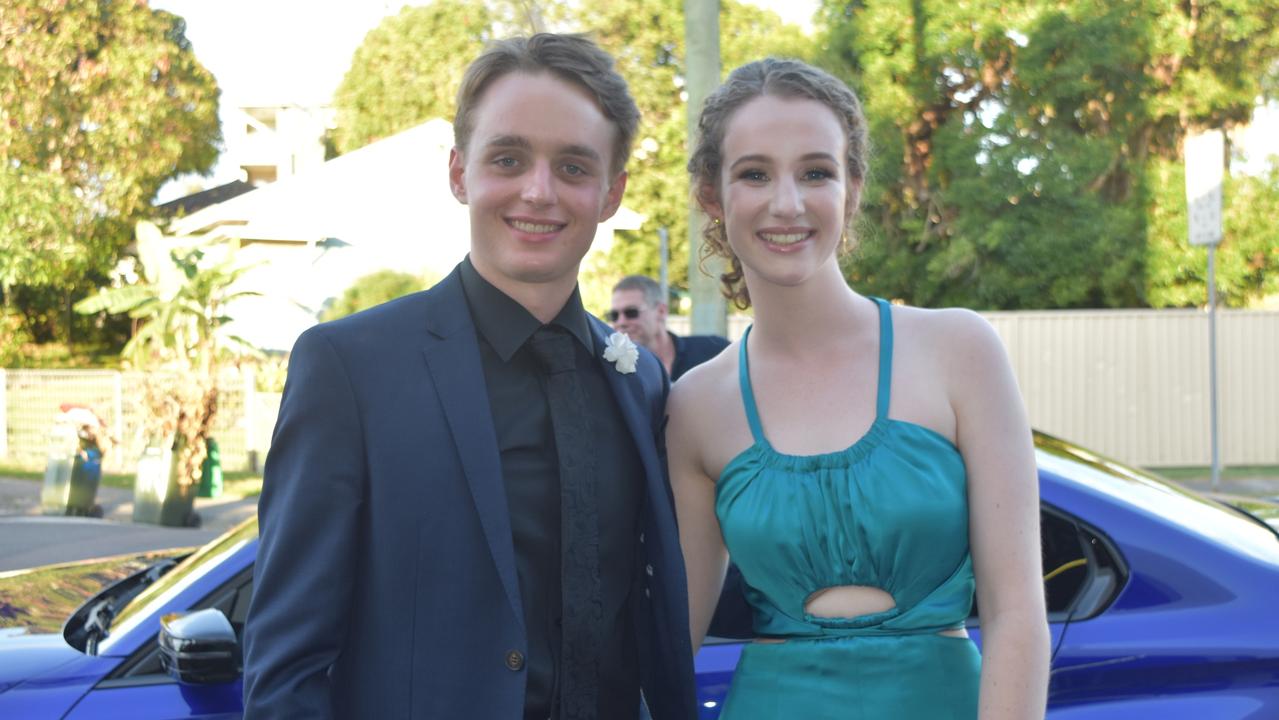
pixel 101 102
pixel 647 39
pixel 408 69
pixel 37 227
pixel 1248 258
pixel 1021 146
pixel 374 289
pixel 183 341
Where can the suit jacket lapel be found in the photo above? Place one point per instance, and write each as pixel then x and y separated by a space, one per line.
pixel 629 391
pixel 453 360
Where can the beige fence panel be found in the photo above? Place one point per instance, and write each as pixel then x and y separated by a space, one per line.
pixel 1135 385
pixel 1249 374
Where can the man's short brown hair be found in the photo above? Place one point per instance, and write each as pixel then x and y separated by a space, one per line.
pixel 645 284
pixel 572 58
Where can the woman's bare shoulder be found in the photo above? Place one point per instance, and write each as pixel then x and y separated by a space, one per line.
pixel 706 421
pixel 958 334
pixel 706 382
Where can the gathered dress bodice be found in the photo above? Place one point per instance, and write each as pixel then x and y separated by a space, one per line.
pixel 888 512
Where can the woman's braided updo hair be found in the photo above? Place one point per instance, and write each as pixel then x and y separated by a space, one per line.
pixel 779 78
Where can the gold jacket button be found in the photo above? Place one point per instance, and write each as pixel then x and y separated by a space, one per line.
pixel 514 661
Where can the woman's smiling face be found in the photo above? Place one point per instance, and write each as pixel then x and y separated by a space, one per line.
pixel 783 189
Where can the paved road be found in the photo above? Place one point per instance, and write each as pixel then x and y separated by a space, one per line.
pixel 29 539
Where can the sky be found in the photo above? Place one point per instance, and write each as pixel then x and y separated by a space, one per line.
pixel 280 52
pixel 296 51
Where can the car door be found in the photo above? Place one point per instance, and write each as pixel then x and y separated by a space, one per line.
pixel 139 689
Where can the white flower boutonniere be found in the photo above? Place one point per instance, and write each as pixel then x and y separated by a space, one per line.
pixel 622 353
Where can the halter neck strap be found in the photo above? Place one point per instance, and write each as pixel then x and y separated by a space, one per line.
pixel 748 395
pixel 883 392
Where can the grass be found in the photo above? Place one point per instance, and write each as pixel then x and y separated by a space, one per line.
pixel 1204 473
pixel 60 356
pixel 236 484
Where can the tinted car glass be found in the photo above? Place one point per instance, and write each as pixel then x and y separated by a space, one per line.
pixel 178 579
pixel 40 600
pixel 1151 494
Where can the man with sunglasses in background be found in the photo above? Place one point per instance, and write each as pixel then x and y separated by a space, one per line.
pixel 639 311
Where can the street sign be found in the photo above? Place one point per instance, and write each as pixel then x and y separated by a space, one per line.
pixel 1205 163
pixel 1205 166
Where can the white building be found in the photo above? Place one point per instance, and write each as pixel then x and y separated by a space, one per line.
pixel 314 233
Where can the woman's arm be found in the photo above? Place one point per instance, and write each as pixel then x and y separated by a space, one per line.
pixel 994 437
pixel 705 558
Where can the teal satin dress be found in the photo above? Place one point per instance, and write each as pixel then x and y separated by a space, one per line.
pixel 890 512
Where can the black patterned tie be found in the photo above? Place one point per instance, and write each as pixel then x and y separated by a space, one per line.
pixel 582 610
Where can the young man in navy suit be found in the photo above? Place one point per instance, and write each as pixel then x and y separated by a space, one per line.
pixel 425 500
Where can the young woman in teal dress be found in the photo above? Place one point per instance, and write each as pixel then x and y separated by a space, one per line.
pixel 866 466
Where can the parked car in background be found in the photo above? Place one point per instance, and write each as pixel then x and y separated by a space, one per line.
pixel 1161 603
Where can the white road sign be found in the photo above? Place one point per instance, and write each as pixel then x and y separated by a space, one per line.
pixel 1205 162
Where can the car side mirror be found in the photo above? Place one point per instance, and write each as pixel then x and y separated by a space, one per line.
pixel 199 648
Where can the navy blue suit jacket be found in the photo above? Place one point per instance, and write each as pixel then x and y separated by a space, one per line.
pixel 385 584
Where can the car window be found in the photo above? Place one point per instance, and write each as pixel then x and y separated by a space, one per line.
pixel 1083 572
pixel 178 579
pixel 39 600
pixel 1150 494
pixel 144 665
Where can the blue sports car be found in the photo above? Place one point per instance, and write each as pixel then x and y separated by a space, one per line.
pixel 1162 605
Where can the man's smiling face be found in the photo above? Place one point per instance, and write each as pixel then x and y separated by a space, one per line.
pixel 538 178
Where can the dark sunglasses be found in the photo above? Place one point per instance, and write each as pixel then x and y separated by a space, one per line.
pixel 630 313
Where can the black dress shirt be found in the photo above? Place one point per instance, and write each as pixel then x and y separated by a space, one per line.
pixel 530 471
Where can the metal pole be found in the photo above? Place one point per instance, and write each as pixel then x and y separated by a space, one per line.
pixel 664 252
pixel 1212 362
pixel 4 406
pixel 701 77
pixel 250 386
pixel 117 419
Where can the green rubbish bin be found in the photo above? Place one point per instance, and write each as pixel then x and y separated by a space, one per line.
pixel 211 471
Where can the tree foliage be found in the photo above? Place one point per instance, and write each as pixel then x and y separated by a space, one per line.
pixel 408 69
pixel 647 39
pixel 1026 149
pixel 374 289
pixel 1027 152
pixel 181 306
pixel 183 340
pixel 37 229
pixel 101 102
